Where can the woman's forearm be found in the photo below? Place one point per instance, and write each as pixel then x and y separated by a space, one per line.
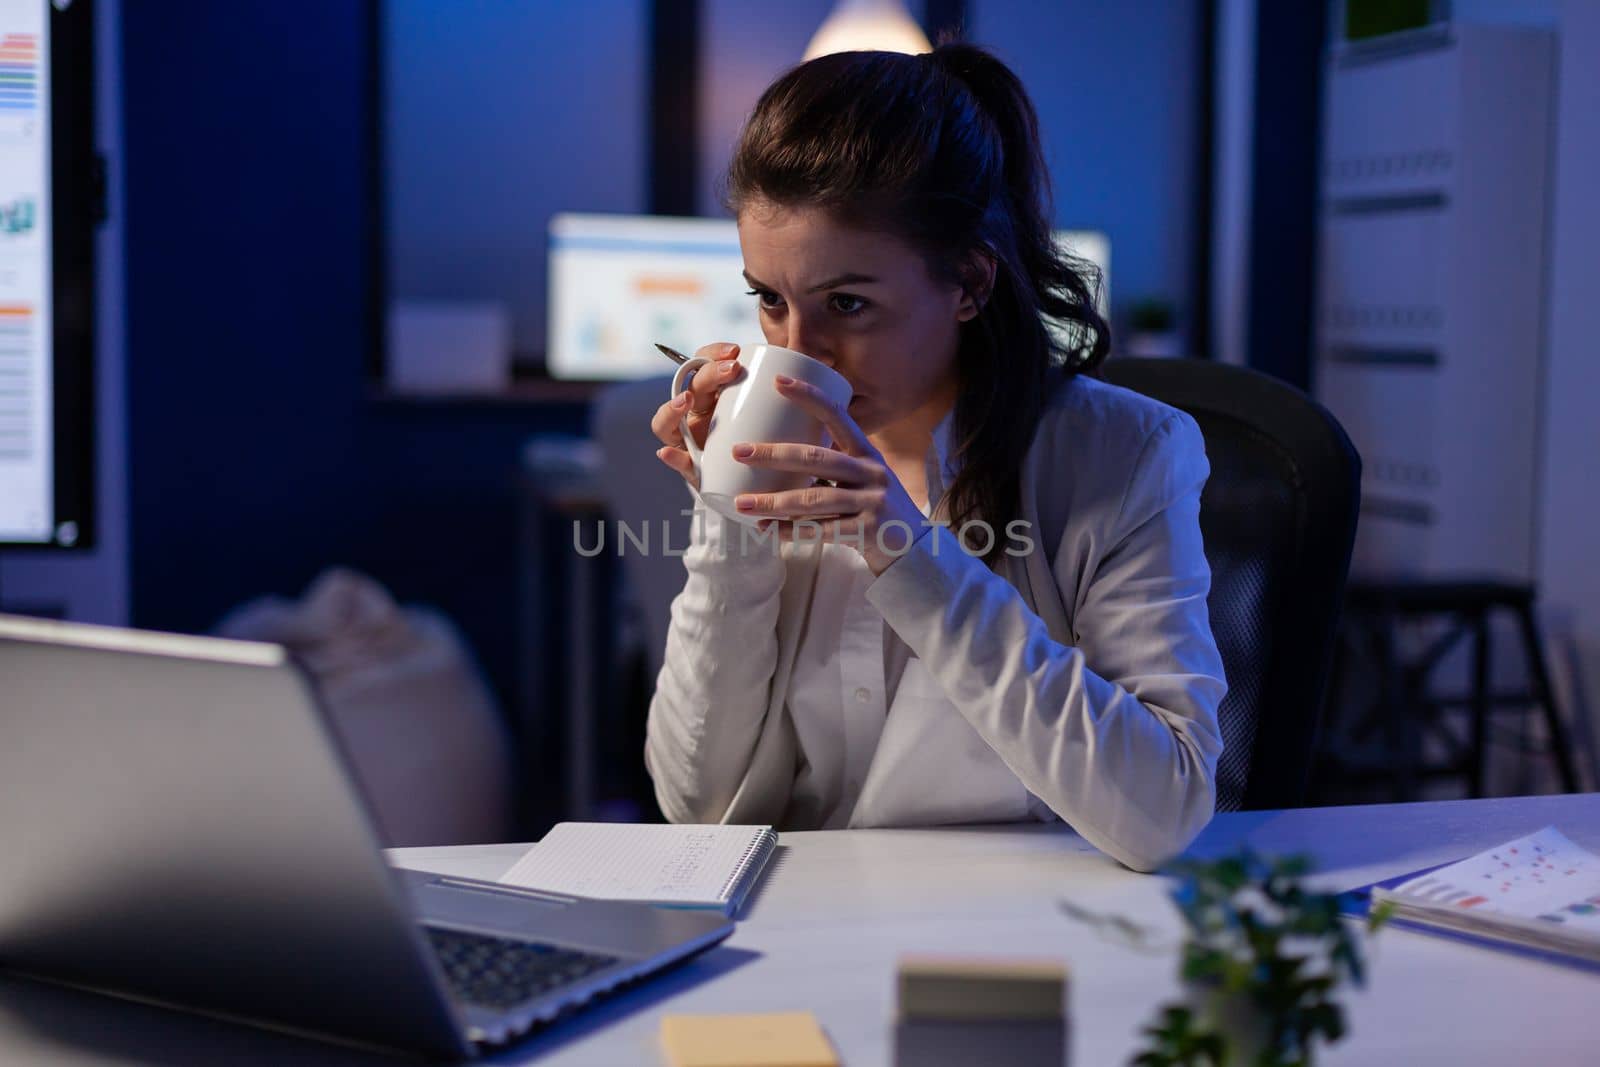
pixel 716 675
pixel 1115 725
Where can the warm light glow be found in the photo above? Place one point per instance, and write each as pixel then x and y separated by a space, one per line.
pixel 868 25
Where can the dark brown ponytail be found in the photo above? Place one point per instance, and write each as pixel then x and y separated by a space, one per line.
pixel 943 150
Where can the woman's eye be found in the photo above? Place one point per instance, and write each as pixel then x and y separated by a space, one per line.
pixel 845 304
pixel 766 298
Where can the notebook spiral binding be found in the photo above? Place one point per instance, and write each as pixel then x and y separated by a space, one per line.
pixel 754 857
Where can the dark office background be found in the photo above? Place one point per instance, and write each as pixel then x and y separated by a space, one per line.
pixel 262 450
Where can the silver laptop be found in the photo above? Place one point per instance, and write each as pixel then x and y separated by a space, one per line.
pixel 178 825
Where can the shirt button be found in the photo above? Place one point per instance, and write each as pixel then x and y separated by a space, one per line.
pixel 863 695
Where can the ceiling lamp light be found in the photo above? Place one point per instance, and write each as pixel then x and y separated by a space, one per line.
pixel 868 26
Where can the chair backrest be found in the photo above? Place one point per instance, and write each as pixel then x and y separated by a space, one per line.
pixel 1279 517
pixel 642 491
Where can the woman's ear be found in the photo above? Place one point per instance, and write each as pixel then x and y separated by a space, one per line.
pixel 977 283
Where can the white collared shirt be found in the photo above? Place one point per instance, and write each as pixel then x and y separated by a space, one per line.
pixel 1077 678
pixel 909 756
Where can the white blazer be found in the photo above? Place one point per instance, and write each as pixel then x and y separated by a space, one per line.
pixel 1078 680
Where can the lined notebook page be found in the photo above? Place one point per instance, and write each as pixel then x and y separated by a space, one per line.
pixel 622 861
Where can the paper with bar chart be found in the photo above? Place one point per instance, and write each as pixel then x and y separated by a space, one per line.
pixel 1540 892
pixel 25 312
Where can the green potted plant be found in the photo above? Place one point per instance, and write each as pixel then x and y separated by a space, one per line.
pixel 1261 962
pixel 1152 329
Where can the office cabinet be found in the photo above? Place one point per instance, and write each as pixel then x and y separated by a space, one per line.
pixel 1432 238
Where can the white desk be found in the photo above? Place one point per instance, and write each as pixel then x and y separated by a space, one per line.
pixel 823 931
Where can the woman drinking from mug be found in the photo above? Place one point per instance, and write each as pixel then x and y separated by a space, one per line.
pixel 1008 621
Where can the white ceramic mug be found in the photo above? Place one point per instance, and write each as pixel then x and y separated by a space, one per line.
pixel 752 409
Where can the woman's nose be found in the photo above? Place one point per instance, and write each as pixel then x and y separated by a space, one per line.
pixel 804 337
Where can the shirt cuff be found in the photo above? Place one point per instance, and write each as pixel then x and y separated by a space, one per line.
pixel 714 536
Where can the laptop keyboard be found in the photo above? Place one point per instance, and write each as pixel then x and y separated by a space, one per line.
pixel 498 973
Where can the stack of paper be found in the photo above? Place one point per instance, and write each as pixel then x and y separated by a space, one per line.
pixel 1540 892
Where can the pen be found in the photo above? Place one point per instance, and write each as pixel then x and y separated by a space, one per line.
pixel 673 354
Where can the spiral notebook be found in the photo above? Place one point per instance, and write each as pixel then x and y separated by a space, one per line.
pixel 711 867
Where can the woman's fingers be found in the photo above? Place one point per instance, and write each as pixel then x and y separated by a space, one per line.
pixel 718 350
pixel 706 384
pixel 666 422
pixel 679 460
pixel 700 396
pixel 847 436
pixel 819 462
pixel 848 530
pixel 707 381
pixel 812 502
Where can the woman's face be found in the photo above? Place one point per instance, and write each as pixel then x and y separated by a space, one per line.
pixel 862 302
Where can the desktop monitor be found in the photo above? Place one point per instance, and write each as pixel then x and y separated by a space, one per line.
pixel 47 216
pixel 621 283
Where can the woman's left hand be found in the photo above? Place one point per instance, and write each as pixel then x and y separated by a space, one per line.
pixel 858 500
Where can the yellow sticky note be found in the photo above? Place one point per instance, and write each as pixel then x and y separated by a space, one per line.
pixel 782 1039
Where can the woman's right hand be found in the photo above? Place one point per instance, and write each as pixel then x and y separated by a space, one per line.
pixel 696 401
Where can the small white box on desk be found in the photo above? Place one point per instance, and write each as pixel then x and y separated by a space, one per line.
pixel 1013 1042
pixel 964 1010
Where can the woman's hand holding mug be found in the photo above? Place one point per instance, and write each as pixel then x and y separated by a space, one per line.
pixel 733 397
pixel 692 408
pixel 756 454
pixel 850 496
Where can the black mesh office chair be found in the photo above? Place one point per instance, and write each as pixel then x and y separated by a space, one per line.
pixel 1279 519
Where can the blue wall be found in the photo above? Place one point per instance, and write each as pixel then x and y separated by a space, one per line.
pixel 744 47
pixel 1116 85
pixel 1117 89
pixel 497 115
pixel 258 455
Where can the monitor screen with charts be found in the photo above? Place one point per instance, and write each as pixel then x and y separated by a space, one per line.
pixel 46 273
pixel 621 283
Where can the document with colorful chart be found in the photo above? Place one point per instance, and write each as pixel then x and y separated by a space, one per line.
pixel 1540 891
